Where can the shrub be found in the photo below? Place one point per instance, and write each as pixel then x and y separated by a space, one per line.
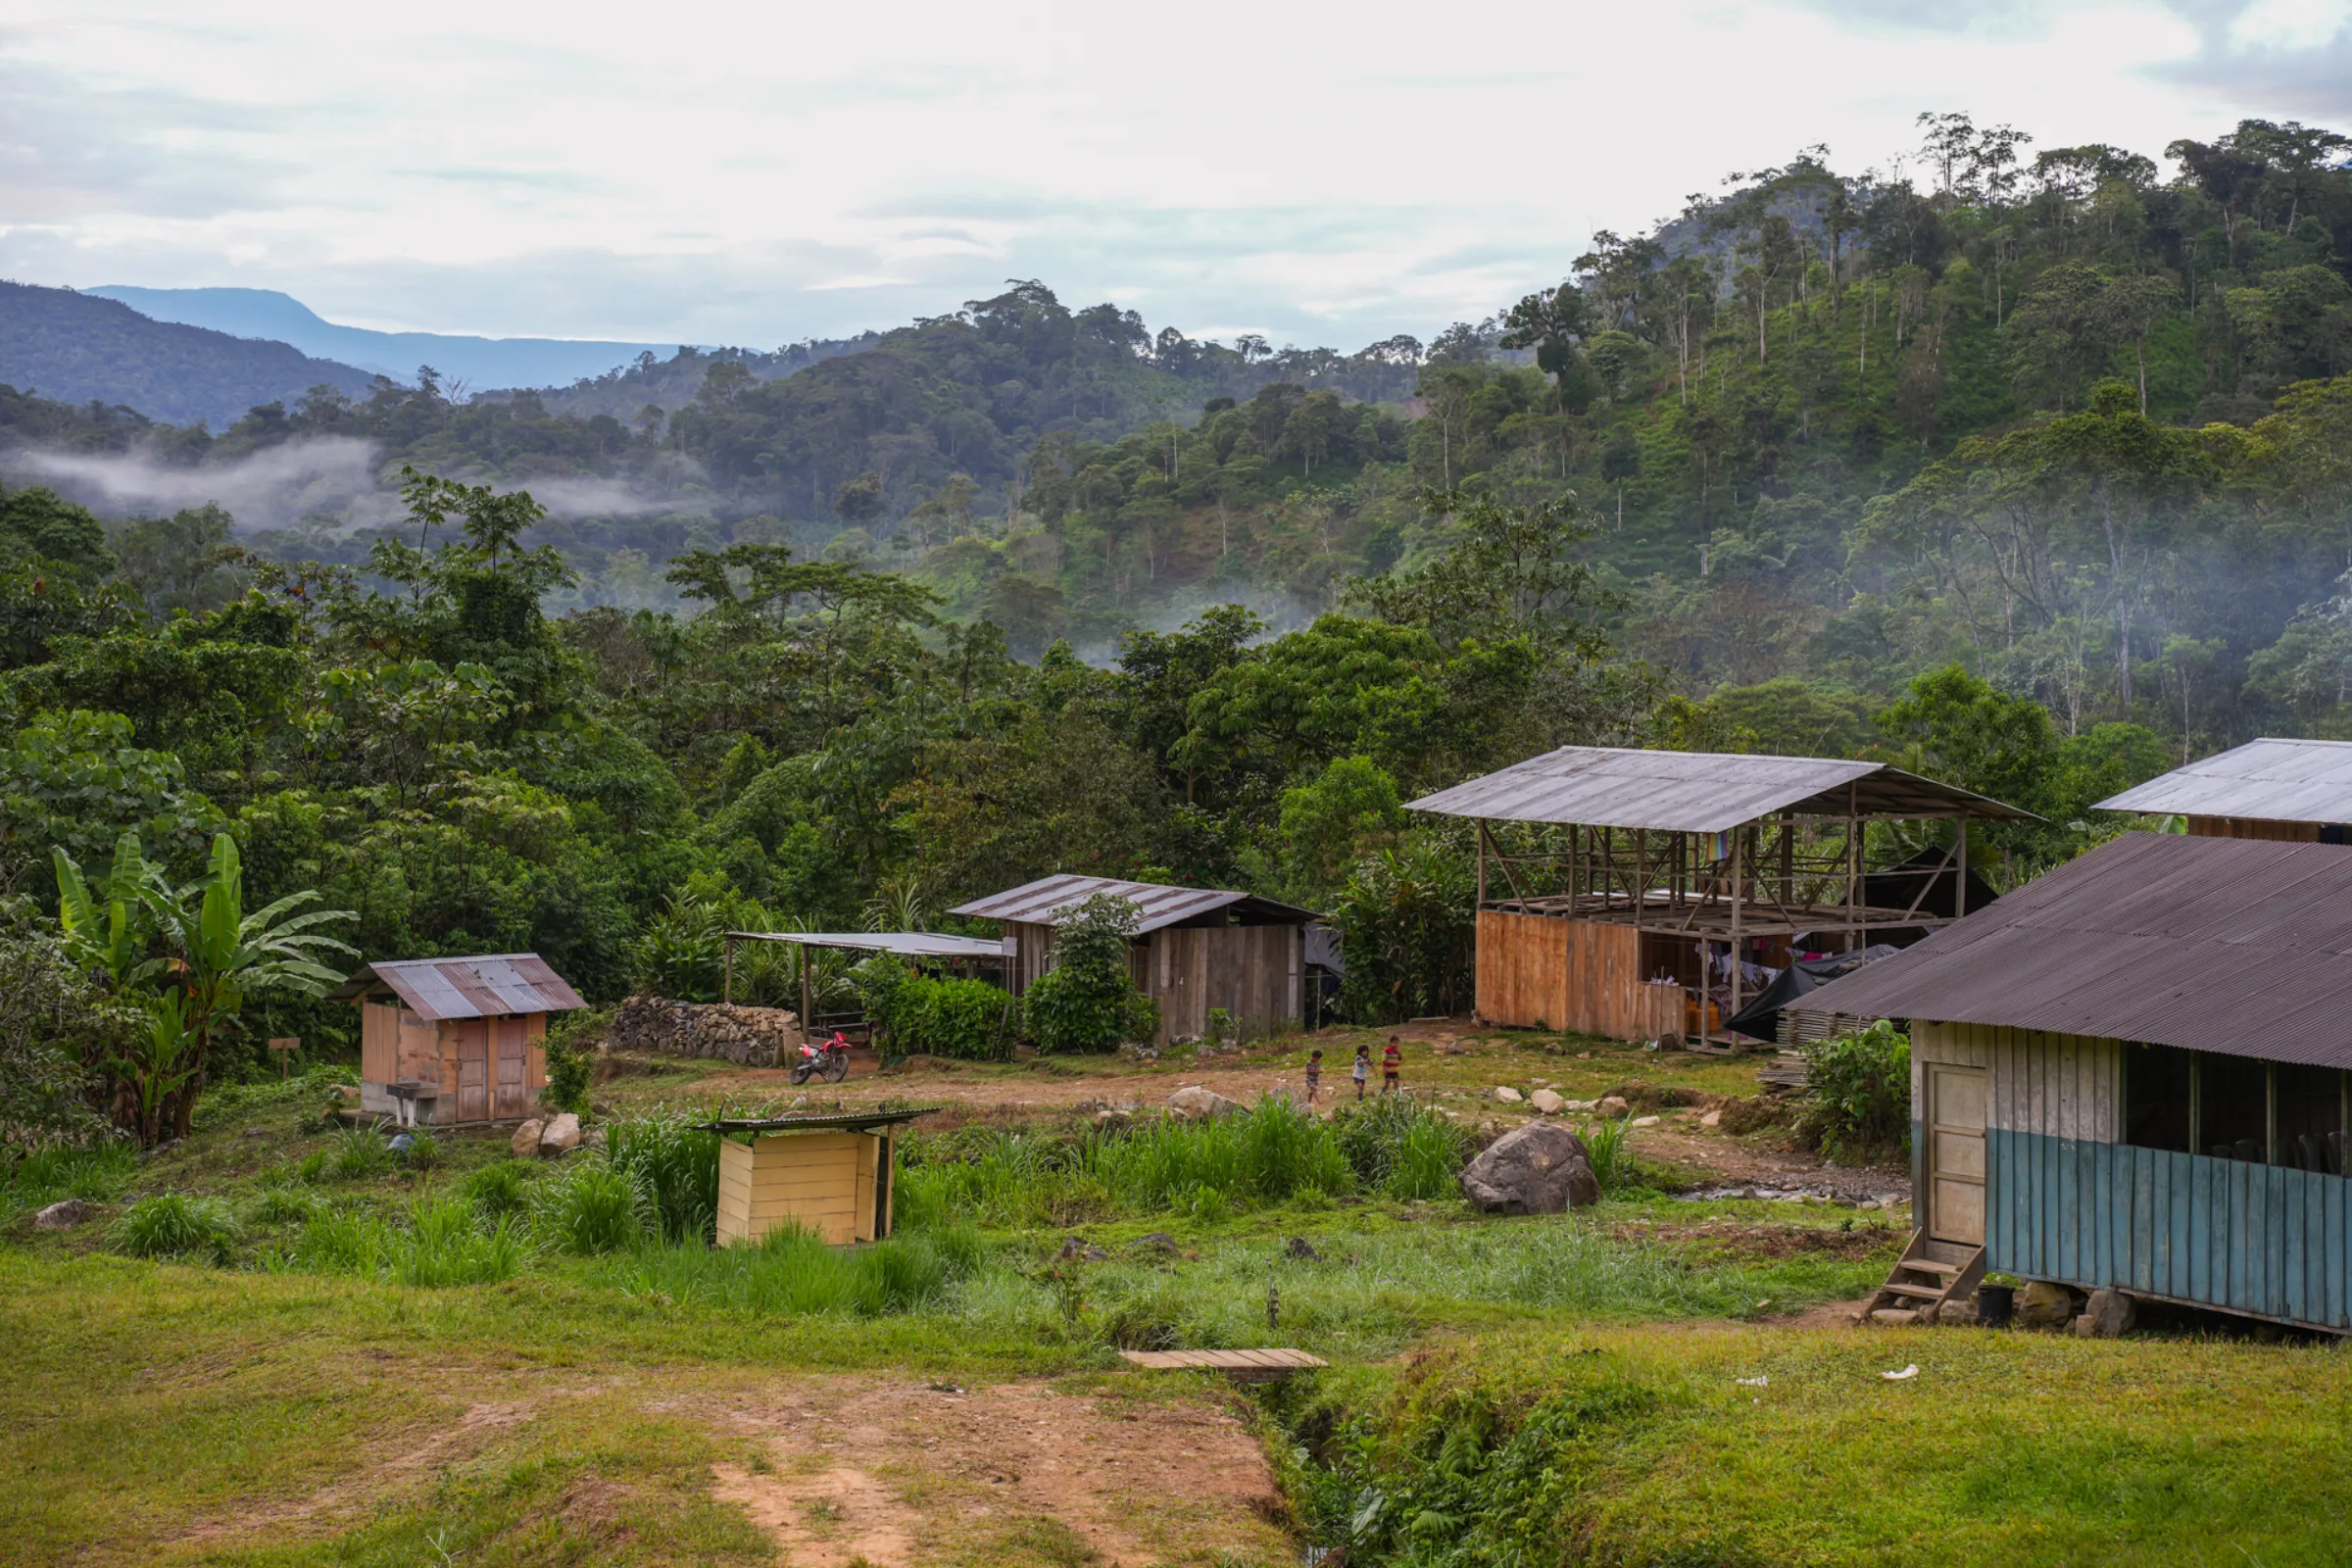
pixel 1407 919
pixel 592 1207
pixel 1088 1001
pixel 568 1065
pixel 915 1015
pixel 172 1224
pixel 1858 1093
pixel 675 1167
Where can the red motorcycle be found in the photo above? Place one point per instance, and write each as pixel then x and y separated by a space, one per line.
pixel 828 1059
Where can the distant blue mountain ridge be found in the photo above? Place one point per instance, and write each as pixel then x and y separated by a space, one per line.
pixel 482 364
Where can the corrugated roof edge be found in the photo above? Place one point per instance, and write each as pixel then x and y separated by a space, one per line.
pixel 837 1118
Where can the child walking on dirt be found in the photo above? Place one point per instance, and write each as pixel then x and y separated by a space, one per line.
pixel 1363 1070
pixel 1314 1075
pixel 1391 1059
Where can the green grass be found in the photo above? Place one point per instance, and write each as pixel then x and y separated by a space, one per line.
pixel 436 1243
pixel 791 1273
pixel 96 1174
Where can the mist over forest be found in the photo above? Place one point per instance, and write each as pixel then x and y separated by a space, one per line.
pixel 2029 470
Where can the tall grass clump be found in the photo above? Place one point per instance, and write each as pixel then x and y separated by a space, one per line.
pixel 1270 1153
pixel 438 1242
pixel 1395 1145
pixel 789 1272
pixel 176 1225
pixel 358 1152
pixel 592 1207
pixel 497 1190
pixel 676 1167
pixel 1606 1151
pixel 95 1174
pixel 977 1176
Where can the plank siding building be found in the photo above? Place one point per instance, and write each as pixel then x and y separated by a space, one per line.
pixel 829 1175
pixel 1615 887
pixel 2297 791
pixel 2132 1074
pixel 446 1042
pixel 1194 949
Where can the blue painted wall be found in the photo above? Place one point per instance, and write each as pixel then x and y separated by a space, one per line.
pixel 2224 1233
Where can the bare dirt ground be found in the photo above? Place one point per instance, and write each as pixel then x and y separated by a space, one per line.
pixel 898 1472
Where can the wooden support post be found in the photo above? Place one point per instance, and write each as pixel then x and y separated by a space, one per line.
pixel 1960 885
pixel 1853 864
pixel 1641 878
pixel 1743 849
pixel 808 993
pixel 726 986
pixel 1482 863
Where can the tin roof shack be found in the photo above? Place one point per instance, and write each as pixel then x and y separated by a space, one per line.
pixel 1648 895
pixel 831 1175
pixel 446 1042
pixel 2130 1075
pixel 2294 791
pixel 1194 949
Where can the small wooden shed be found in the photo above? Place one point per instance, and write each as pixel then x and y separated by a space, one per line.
pixel 446 1042
pixel 830 1174
pixel 2132 1074
pixel 1195 950
pixel 2294 791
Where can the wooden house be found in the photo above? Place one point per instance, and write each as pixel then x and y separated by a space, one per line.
pixel 2297 792
pixel 2132 1074
pixel 446 1042
pixel 831 1175
pixel 1651 895
pixel 1194 949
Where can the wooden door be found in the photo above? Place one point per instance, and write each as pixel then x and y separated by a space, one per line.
pixel 474 1069
pixel 1955 1118
pixel 513 1055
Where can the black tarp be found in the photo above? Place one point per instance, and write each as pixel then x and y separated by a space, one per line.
pixel 1897 885
pixel 1760 1019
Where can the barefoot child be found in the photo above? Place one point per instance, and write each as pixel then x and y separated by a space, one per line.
pixel 1314 1075
pixel 1391 1059
pixel 1363 1070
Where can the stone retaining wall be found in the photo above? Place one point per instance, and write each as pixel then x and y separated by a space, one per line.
pixel 750 1037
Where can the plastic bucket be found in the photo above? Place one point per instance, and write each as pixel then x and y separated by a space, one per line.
pixel 1994 1304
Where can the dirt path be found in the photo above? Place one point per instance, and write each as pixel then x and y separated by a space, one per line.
pixel 898 1472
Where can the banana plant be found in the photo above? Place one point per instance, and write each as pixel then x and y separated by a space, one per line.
pixel 114 928
pixel 162 1061
pixel 218 955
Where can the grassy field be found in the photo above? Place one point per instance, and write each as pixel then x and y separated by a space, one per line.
pixel 1573 1389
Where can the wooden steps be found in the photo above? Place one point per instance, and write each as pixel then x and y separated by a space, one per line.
pixel 1928 1274
pixel 1243 1366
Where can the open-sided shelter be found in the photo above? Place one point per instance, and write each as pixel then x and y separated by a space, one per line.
pixel 1194 949
pixel 2298 792
pixel 2132 1074
pixel 1630 878
pixel 450 1041
pixel 831 1175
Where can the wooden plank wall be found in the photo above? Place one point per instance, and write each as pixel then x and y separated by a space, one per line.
pixel 2061 1086
pixel 2224 1233
pixel 813 1179
pixel 1253 972
pixel 1584 976
pixel 2253 827
pixel 1035 958
pixel 379 1042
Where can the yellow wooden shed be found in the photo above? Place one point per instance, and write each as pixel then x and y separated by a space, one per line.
pixel 830 1174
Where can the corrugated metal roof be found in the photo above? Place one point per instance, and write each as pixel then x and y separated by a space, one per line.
pixel 907 944
pixel 816 1119
pixel 1696 792
pixel 1043 902
pixel 485 987
pixel 2275 780
pixel 2240 946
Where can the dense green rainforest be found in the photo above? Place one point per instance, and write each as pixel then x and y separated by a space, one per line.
pixel 2031 474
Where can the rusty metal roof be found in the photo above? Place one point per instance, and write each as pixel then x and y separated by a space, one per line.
pixel 1044 901
pixel 2242 945
pixel 1697 792
pixel 2273 780
pixel 486 987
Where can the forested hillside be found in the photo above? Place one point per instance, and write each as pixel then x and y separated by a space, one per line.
pixel 79 348
pixel 2035 478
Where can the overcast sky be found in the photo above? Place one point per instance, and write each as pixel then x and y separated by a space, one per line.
pixel 760 172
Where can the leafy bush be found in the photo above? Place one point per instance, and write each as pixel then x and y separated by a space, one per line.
pixel 1406 918
pixel 915 1015
pixel 592 1207
pixel 1858 1093
pixel 173 1224
pixel 675 1167
pixel 441 1244
pixel 52 1020
pixel 1088 1000
pixel 569 1063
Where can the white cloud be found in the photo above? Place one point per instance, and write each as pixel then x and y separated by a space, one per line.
pixel 756 172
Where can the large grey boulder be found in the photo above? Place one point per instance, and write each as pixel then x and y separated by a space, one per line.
pixel 525 1142
pixel 560 1136
pixel 1539 1169
pixel 1196 1104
